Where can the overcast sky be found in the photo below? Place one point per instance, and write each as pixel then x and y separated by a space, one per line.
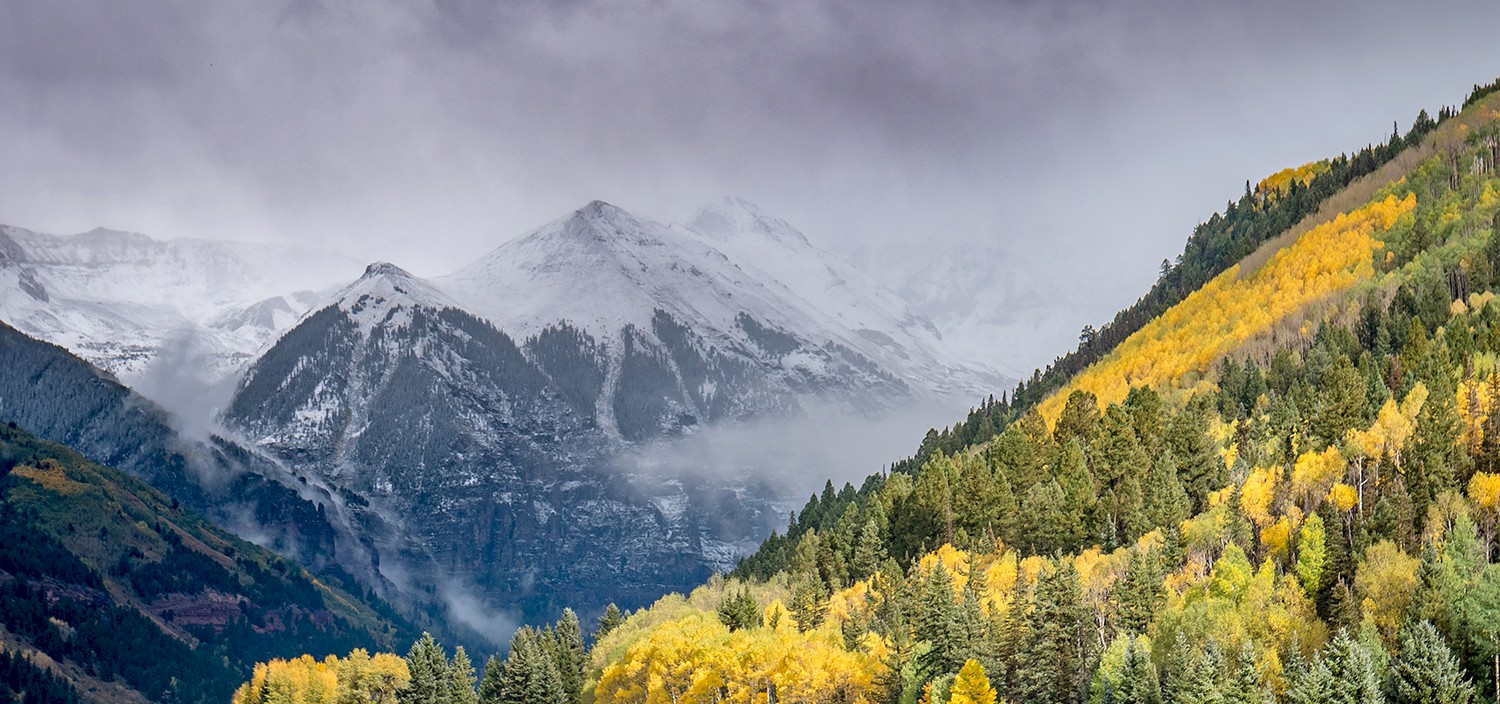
pixel 426 133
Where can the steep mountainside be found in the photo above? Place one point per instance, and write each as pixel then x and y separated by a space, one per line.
pixel 111 586
pixel 452 448
pixel 119 298
pixel 63 399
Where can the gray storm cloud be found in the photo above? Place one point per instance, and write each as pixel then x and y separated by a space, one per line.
pixel 429 132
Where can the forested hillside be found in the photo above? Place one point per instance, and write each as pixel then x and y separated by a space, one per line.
pixel 1284 486
pixel 110 592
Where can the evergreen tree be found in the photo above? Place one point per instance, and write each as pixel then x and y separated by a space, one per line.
pixel 941 624
pixel 1426 671
pixel 869 551
pixel 1051 661
pixel 1044 524
pixel 1308 681
pixel 461 679
pixel 1167 503
pixel 1138 681
pixel 739 610
pixel 1201 683
pixel 1079 421
pixel 1436 461
pixel 1199 468
pixel 530 675
pixel 1141 593
pixel 611 620
pixel 974 626
pixel 1081 499
pixel 1353 671
pixel 1244 685
pixel 571 657
pixel 491 685
pixel 809 604
pixel 430 680
pixel 1178 665
pixel 892 620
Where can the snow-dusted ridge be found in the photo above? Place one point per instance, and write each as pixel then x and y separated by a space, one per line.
pixel 118 299
pixel 603 269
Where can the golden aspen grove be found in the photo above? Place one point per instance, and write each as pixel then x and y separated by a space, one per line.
pixel 1285 487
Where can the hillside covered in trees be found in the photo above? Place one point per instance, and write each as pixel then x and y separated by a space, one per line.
pixel 111 592
pixel 1282 487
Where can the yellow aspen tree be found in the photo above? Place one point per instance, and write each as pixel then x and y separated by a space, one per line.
pixel 971 686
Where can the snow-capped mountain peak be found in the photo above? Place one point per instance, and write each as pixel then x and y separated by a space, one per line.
pixel 385 294
pixel 600 268
pixel 733 218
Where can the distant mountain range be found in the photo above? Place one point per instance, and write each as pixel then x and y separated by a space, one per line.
pixel 462 435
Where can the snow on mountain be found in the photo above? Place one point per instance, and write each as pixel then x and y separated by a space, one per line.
pixel 118 298
pixel 742 283
pixel 889 330
pixel 463 457
pixel 602 268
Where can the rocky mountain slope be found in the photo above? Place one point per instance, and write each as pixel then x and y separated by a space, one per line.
pixel 486 461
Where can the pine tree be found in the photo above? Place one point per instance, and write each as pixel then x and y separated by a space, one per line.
pixel 1200 469
pixel 571 657
pixel 972 686
pixel 892 619
pixel 1167 504
pixel 1426 671
pixel 1141 594
pixel 461 679
pixel 491 685
pixel 1353 672
pixel 1201 684
pixel 974 625
pixel 809 604
pixel 1051 661
pixel 740 610
pixel 1244 685
pixel 530 675
pixel 429 674
pixel 869 551
pixel 940 623
pixel 1308 681
pixel 611 620
pixel 1081 499
pixel 1178 664
pixel 1045 526
pixel 1138 681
